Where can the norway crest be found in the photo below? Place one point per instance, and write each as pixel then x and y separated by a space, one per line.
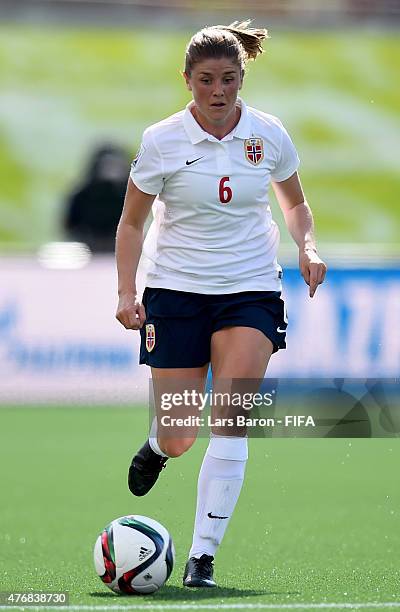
pixel 254 150
pixel 150 337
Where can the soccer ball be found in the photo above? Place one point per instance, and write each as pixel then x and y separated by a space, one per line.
pixel 134 555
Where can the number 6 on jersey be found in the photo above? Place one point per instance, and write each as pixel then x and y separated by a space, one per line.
pixel 225 192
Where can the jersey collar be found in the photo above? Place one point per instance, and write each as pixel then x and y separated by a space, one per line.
pixel 196 133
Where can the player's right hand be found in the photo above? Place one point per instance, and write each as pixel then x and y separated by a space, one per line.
pixel 130 313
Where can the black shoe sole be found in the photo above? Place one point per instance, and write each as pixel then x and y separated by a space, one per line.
pixel 199 585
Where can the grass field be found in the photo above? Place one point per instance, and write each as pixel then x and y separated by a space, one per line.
pixel 64 90
pixel 317 522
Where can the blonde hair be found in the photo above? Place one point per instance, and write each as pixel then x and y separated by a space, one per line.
pixel 236 41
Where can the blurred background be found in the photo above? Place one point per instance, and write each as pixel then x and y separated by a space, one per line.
pixel 80 80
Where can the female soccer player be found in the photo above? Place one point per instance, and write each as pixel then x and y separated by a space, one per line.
pixel 213 289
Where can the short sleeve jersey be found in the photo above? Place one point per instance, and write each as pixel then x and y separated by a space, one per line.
pixel 213 230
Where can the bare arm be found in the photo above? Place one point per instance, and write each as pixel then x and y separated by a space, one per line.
pixel 130 313
pixel 300 223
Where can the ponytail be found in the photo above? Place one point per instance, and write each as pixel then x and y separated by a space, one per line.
pixel 250 38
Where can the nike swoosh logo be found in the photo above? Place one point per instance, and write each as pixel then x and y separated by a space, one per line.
pixel 217 517
pixel 189 163
pixel 281 331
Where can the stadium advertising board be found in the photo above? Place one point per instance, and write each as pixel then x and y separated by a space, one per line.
pixel 60 342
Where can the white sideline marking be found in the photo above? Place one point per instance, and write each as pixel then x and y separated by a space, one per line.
pixel 233 606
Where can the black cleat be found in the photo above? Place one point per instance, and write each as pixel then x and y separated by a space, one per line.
pixel 199 572
pixel 144 470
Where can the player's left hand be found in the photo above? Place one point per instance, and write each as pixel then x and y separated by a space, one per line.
pixel 312 269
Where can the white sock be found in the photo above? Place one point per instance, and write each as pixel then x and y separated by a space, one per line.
pixel 219 485
pixel 153 439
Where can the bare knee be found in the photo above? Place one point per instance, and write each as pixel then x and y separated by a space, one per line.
pixel 174 447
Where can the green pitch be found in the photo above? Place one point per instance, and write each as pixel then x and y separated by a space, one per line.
pixel 317 520
pixel 66 90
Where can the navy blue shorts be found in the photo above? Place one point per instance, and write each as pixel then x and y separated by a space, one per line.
pixel 179 325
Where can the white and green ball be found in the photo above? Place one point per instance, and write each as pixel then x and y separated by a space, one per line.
pixel 134 555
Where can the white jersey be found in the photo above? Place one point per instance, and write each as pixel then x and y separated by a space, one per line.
pixel 213 230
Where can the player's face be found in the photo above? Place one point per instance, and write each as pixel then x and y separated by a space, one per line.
pixel 215 84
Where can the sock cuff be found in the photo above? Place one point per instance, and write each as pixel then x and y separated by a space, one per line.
pixel 229 448
pixel 155 447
